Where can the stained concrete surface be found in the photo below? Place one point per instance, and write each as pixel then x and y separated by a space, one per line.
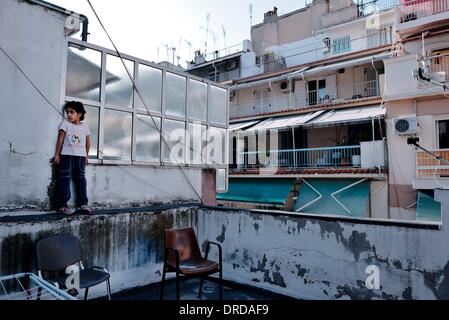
pixel 189 291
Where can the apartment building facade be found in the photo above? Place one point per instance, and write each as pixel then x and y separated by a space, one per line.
pixel 307 127
pixel 331 81
pixel 417 103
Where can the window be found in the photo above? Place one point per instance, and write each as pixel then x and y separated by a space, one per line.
pixel 380 37
pixel 317 91
pixel 92 120
pixel 175 138
pixel 198 100
pixel 221 180
pixel 150 87
pixel 117 135
pixel 218 100
pixel 341 45
pixel 217 146
pixel 327 45
pixel 443 134
pixel 147 138
pixel 83 79
pixel 119 87
pixel 122 129
pixel 175 104
pixel 197 143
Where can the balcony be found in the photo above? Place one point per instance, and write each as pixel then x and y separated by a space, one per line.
pixel 225 76
pixel 428 167
pixel 439 68
pixel 327 96
pixel 367 8
pixel 413 16
pixel 347 156
pixel 363 158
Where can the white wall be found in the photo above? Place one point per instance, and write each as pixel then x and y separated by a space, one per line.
pixel 34 38
pixel 373 154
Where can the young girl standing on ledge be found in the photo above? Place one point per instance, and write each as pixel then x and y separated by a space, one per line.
pixel 72 151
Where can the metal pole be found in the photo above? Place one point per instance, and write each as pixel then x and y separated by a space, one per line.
pixel 294 147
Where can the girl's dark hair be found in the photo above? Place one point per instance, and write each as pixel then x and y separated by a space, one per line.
pixel 77 106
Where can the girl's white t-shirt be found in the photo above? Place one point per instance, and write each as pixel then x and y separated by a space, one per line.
pixel 75 138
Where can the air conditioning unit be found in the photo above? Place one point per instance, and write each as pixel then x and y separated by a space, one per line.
pixel 405 126
pixel 286 86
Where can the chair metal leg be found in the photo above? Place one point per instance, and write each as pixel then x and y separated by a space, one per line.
pixel 201 287
pixel 86 293
pixel 162 284
pixel 220 293
pixel 178 295
pixel 108 286
pixel 39 293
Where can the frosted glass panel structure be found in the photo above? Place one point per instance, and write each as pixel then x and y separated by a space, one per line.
pixel 197 143
pixel 150 88
pixel 218 101
pixel 92 119
pixel 175 101
pixel 190 113
pixel 117 135
pixel 175 134
pixel 198 100
pixel 217 146
pixel 119 87
pixel 83 79
pixel 147 138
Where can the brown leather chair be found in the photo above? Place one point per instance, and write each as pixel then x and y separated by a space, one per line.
pixel 183 256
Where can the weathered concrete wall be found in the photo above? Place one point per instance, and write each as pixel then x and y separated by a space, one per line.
pixel 129 245
pixel 313 258
pixel 296 255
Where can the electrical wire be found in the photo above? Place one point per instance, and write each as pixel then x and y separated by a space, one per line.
pixel 144 103
pixel 31 82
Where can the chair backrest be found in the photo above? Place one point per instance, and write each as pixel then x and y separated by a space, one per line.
pixel 58 252
pixel 185 241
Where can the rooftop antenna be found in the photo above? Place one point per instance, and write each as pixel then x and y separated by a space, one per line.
pixel 174 53
pixel 190 49
pixel 251 14
pixel 178 57
pixel 224 37
pixel 207 32
pixel 214 38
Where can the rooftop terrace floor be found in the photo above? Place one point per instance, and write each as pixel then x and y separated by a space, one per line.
pixel 189 291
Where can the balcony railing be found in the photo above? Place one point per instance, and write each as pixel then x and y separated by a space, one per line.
pixel 335 95
pixel 439 68
pixel 225 76
pixel 429 166
pixel 331 157
pixel 409 10
pixel 366 8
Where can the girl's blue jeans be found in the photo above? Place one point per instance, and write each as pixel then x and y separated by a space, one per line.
pixel 72 167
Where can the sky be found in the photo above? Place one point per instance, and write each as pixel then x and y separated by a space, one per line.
pixel 145 28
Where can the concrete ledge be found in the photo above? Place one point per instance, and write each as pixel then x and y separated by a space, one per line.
pixel 364 221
